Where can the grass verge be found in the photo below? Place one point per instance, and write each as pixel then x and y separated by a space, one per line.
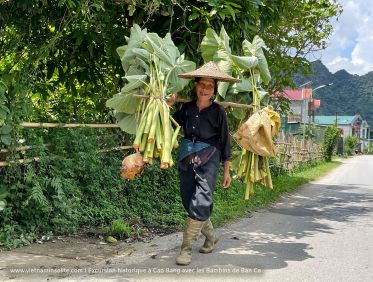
pixel 229 204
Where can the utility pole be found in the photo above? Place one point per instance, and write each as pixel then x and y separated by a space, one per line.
pixel 336 119
pixel 306 101
pixel 303 108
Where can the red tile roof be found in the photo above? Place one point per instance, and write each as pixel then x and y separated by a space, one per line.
pixel 298 94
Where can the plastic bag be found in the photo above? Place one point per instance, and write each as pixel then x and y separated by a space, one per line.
pixel 256 134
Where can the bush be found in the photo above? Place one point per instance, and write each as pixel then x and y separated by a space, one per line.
pixel 330 141
pixel 120 229
pixel 73 185
pixel 350 143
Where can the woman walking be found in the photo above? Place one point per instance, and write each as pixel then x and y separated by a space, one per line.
pixel 205 145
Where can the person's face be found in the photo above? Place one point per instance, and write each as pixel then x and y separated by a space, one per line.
pixel 205 89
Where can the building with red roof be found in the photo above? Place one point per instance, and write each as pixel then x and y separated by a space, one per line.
pixel 302 105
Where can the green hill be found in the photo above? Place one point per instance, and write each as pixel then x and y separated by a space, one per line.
pixel 349 95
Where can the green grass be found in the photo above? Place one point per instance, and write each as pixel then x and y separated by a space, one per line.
pixel 230 205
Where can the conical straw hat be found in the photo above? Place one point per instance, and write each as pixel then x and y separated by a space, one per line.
pixel 209 70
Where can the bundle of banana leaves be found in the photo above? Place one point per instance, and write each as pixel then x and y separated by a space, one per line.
pixel 252 69
pixel 151 66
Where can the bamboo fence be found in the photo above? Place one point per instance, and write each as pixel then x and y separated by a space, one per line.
pixel 290 151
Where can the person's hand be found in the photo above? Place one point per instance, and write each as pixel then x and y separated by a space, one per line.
pixel 227 176
pixel 172 100
pixel 226 180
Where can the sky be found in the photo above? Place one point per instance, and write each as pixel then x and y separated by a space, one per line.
pixel 351 44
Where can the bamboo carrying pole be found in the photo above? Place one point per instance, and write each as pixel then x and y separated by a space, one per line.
pixel 181 100
pixel 72 125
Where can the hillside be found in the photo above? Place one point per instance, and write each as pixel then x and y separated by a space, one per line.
pixel 349 95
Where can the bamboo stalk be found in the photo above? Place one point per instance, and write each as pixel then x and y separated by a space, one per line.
pixel 181 100
pixel 166 149
pixel 155 121
pixel 149 117
pixel 159 136
pixel 242 163
pixel 115 149
pixel 144 140
pixel 174 136
pixel 66 125
pixel 36 159
pixel 23 148
pixel 150 148
pixel 248 189
pixel 20 161
pixel 268 178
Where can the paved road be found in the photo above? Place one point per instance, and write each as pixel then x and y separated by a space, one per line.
pixel 322 232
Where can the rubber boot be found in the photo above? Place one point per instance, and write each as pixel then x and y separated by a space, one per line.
pixel 191 232
pixel 211 238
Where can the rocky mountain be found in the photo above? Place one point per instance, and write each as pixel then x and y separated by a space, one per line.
pixel 350 94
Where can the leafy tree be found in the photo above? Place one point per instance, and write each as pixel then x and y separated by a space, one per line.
pixel 303 27
pixel 330 141
pixel 64 51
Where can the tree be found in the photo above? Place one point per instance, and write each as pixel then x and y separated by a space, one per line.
pixel 64 52
pixel 303 28
pixel 61 53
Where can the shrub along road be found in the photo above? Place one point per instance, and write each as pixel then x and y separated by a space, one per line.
pixel 320 232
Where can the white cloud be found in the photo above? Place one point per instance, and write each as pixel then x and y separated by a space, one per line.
pixel 351 45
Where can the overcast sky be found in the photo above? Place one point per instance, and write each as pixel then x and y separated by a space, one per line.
pixel 351 45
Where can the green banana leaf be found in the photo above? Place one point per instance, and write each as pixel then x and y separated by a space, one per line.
pixel 209 45
pixel 134 41
pixel 240 98
pixel 176 84
pixel 243 86
pixel 154 45
pixel 245 62
pixel 222 59
pixel 134 82
pixel 127 122
pixel 136 69
pixel 225 39
pixel 255 49
pixel 143 54
pixel 216 48
pixel 169 46
pixel 123 102
pixel 121 50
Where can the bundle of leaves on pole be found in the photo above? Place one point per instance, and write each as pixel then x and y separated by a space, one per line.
pixel 151 66
pixel 252 70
